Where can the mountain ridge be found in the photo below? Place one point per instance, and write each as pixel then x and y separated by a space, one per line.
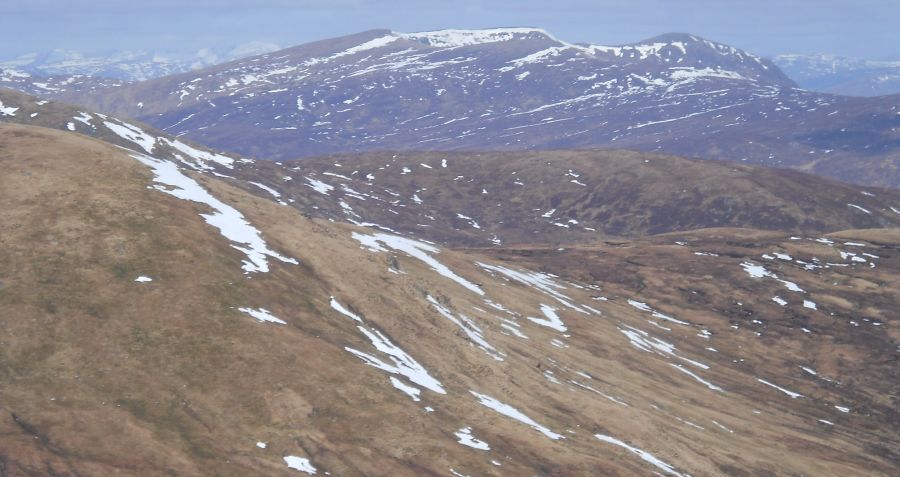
pixel 842 75
pixel 492 198
pixel 378 90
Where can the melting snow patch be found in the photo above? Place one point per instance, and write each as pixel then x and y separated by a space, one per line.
pixel 340 309
pixel 133 134
pixel 791 286
pixel 472 331
pixel 513 328
pixel 201 156
pixel 595 391
pixel 319 186
pixel 859 208
pixel 540 281
pixel 230 222
pixel 756 271
pixel 698 378
pixel 268 189
pixel 644 341
pixel 471 221
pixel 722 427
pixel 779 300
pixel 403 363
pixel 261 445
pixel 646 456
pixel 300 463
pixel 416 249
pixel 465 438
pixel 411 391
pixel 514 413
pixel 809 304
pixel 7 110
pixel 262 315
pixel 792 394
pixel 655 314
pixel 143 279
pixel 552 321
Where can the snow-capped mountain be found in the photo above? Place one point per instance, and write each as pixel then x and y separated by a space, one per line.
pixel 517 88
pixel 841 74
pixel 55 86
pixel 127 65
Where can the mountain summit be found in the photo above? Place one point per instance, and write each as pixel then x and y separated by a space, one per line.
pixel 515 89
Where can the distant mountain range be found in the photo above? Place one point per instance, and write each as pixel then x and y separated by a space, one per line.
pixel 825 73
pixel 127 65
pixel 842 75
pixel 496 89
pixel 515 89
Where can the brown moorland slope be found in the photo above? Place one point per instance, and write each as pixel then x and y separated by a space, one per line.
pixel 567 196
pixel 143 338
pixel 514 197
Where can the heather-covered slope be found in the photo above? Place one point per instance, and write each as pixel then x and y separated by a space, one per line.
pixel 567 196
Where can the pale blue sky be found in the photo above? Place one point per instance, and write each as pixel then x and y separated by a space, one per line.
pixel 865 28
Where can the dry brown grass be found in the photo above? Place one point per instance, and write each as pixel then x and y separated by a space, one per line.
pixel 109 377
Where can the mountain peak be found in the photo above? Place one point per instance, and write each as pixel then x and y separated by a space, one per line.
pixel 455 38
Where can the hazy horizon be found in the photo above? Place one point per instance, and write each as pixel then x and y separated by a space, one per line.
pixel 857 29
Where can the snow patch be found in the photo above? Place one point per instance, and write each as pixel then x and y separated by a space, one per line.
pixel 133 134
pixel 416 249
pixel 230 222
pixel 646 456
pixel 262 315
pixel 465 438
pixel 514 413
pixel 300 464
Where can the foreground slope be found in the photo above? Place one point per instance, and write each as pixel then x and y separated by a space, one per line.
pixel 158 321
pixel 515 89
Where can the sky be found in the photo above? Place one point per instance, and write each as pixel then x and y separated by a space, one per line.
pixel 860 28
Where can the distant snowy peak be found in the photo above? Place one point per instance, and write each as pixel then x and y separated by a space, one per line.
pixel 127 65
pixel 841 74
pixel 679 53
pixel 830 63
pixel 673 45
pixel 457 38
pixel 668 46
